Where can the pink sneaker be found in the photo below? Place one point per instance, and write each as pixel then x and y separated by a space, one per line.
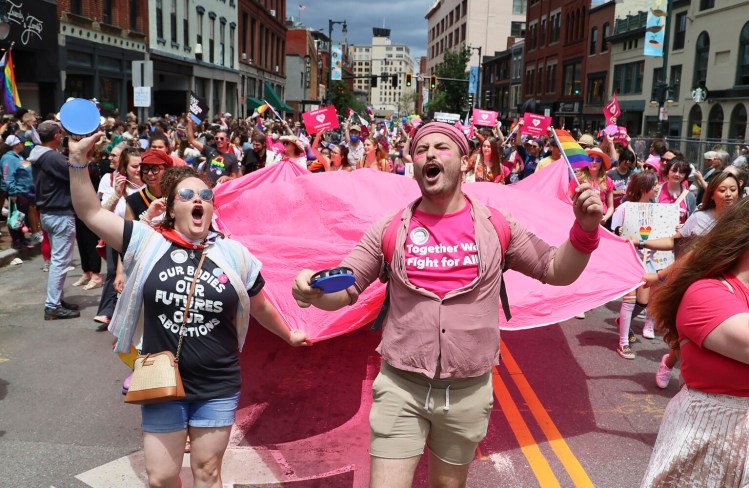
pixel 126 383
pixel 663 375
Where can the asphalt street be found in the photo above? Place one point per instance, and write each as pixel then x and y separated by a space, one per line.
pixel 568 410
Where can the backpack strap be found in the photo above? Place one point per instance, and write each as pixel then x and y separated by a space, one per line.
pixel 502 227
pixel 388 249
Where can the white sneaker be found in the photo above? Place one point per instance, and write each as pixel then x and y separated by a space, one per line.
pixel 647 331
pixel 37 238
pixel 663 375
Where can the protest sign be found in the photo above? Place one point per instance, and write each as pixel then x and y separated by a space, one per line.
pixel 611 111
pixel 535 125
pixel 486 118
pixel 198 108
pixel 322 119
pixel 652 221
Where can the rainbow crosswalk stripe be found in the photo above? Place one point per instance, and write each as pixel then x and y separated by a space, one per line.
pixel 575 154
pixel 11 100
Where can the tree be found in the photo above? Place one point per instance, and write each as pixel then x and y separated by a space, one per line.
pixel 343 98
pixel 451 96
pixel 406 103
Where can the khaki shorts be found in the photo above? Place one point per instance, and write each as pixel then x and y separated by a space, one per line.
pixel 452 424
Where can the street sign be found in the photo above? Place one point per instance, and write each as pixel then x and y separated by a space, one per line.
pixel 663 114
pixel 142 96
pixel 142 73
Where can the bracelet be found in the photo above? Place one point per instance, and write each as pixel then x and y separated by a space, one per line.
pixel 75 166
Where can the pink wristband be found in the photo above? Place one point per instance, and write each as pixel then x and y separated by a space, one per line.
pixel 583 241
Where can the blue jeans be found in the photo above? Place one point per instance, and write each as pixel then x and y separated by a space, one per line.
pixel 61 232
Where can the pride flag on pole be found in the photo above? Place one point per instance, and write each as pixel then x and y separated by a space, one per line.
pixel 572 152
pixel 11 100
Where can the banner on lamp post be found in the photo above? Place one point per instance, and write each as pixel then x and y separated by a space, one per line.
pixel 655 28
pixel 336 62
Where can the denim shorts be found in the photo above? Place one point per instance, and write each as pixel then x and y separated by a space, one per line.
pixel 178 415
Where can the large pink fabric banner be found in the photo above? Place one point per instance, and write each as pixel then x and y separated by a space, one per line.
pixel 291 220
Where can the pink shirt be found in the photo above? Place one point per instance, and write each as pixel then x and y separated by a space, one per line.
pixel 665 197
pixel 457 334
pixel 441 253
pixel 706 304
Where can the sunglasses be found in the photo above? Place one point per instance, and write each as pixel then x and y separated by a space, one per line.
pixel 187 194
pixel 596 160
pixel 220 138
pixel 286 143
pixel 150 168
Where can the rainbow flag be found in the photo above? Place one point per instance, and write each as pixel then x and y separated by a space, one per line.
pixel 571 150
pixel 11 100
pixel 262 108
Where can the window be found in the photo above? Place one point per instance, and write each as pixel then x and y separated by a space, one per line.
pixel 606 33
pixel 572 80
pixel 517 29
pixel 680 30
pixel 232 30
pixel 596 88
pixel 76 7
pixel 211 35
pixel 159 19
pixel 737 129
pixel 529 82
pixel 133 14
pixel 173 22
pixel 715 122
pixel 186 26
pixel 593 40
pixel 519 7
pixel 107 14
pixel 543 33
pixel 628 78
pixel 551 78
pixel 706 4
pixel 695 121
pixel 199 30
pixel 675 82
pixel 701 57
pixel 742 68
pixel 539 79
pixel 222 42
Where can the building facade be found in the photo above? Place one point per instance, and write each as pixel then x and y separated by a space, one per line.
pixel 453 24
pixel 97 45
pixel 597 63
pixel 388 64
pixel 303 71
pixel 262 48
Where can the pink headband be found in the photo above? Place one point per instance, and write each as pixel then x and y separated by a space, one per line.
pixel 452 132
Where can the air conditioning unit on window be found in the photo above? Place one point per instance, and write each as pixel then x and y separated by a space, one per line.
pixel 198 49
pixel 272 12
pixel 244 56
pixel 276 69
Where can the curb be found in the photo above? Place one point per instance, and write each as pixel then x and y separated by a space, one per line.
pixel 8 255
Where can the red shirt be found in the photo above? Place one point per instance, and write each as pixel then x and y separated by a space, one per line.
pixel 706 304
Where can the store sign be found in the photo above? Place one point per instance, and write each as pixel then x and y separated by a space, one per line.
pixel 569 107
pixel 30 26
pixel 307 71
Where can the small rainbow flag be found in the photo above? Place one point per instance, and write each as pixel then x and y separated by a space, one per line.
pixel 11 100
pixel 571 150
pixel 262 108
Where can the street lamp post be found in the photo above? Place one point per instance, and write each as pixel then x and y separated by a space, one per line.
pixel 663 89
pixel 329 87
pixel 477 98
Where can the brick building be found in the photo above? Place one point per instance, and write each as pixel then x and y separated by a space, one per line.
pixel 597 65
pixel 262 48
pixel 303 70
pixel 555 52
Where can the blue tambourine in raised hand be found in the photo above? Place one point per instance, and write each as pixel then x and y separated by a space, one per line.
pixel 333 280
pixel 80 117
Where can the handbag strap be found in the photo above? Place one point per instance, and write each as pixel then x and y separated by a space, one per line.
pixel 187 307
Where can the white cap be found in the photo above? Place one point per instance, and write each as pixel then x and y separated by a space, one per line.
pixel 12 140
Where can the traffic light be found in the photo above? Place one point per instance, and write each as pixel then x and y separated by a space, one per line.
pixel 470 99
pixel 373 82
pixel 394 81
pixel 433 82
pixel 408 79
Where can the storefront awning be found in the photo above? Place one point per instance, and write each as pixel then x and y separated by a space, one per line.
pixel 275 100
pixel 253 103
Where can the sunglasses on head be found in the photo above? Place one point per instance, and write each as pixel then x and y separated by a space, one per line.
pixel 187 194
pixel 150 168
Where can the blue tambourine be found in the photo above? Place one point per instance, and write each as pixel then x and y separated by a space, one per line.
pixel 80 117
pixel 333 280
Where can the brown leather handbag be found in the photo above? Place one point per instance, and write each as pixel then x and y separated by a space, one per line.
pixel 156 377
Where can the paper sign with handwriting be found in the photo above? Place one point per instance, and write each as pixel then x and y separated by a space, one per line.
pixel 325 118
pixel 486 118
pixel 535 125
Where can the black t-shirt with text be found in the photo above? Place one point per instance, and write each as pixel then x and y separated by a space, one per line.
pixel 209 360
pixel 218 164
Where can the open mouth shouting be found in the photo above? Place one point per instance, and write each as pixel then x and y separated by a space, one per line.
pixel 432 171
pixel 197 215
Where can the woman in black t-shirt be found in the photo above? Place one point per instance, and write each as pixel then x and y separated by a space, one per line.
pixel 161 264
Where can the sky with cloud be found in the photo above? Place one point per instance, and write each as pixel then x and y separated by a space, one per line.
pixel 405 18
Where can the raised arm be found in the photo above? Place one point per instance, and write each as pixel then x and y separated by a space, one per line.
pixel 316 151
pixel 103 223
pixel 191 135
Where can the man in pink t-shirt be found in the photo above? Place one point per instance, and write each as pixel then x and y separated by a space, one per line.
pixel 440 336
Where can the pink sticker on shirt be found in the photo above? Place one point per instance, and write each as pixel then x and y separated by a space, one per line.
pixel 440 251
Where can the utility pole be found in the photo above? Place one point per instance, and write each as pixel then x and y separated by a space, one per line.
pixel 663 86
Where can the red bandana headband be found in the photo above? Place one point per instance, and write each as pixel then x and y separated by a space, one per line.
pixel 452 132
